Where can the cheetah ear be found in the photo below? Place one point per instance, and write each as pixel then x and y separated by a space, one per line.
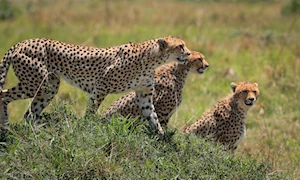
pixel 233 86
pixel 162 44
pixel 255 84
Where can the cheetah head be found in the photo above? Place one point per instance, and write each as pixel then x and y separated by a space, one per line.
pixel 246 93
pixel 197 62
pixel 174 48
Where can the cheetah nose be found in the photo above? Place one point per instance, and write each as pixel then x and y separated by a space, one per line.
pixel 206 65
pixel 251 99
pixel 188 54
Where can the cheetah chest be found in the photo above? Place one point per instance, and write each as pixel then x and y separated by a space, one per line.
pixel 241 136
pixel 141 82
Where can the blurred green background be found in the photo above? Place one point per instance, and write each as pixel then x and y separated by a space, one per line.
pixel 257 41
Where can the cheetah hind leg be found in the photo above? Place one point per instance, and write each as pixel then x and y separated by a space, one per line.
pixel 9 95
pixel 43 97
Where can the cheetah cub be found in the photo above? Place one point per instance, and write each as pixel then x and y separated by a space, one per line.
pixel 225 122
pixel 169 83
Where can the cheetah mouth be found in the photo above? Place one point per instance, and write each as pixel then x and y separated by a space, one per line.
pixel 200 71
pixel 249 103
pixel 181 60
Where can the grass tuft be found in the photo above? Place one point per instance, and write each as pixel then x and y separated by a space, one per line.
pixel 63 146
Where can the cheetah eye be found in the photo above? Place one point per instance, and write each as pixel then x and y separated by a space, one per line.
pixel 181 48
pixel 254 92
pixel 245 91
pixel 200 59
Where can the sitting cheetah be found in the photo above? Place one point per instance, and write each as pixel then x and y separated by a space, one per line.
pixel 225 122
pixel 39 64
pixel 169 82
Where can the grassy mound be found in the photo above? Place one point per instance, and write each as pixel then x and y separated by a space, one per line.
pixel 64 146
pixel 242 41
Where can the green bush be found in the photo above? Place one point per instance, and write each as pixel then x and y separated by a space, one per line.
pixel 292 8
pixel 6 10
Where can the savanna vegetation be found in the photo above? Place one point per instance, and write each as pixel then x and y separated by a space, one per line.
pixel 257 41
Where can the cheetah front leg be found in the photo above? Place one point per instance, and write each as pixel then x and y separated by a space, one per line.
pixel 145 102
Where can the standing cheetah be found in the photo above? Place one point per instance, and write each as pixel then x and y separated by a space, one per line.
pixel 169 82
pixel 225 122
pixel 39 64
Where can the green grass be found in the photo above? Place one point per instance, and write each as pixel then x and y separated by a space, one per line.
pixel 64 146
pixel 241 41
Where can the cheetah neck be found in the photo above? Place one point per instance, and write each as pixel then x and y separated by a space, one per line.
pixel 181 74
pixel 151 50
pixel 237 108
pixel 169 68
pixel 151 53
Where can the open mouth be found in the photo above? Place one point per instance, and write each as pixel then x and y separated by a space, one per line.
pixel 200 70
pixel 249 103
pixel 181 60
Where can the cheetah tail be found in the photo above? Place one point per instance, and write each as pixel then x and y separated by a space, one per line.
pixel 4 66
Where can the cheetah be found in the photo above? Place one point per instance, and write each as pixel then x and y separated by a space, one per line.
pixel 40 63
pixel 169 82
pixel 225 122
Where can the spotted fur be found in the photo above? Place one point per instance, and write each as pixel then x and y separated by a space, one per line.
pixel 225 122
pixel 169 83
pixel 40 63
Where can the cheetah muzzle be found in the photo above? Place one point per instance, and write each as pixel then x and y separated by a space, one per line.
pixel 250 102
